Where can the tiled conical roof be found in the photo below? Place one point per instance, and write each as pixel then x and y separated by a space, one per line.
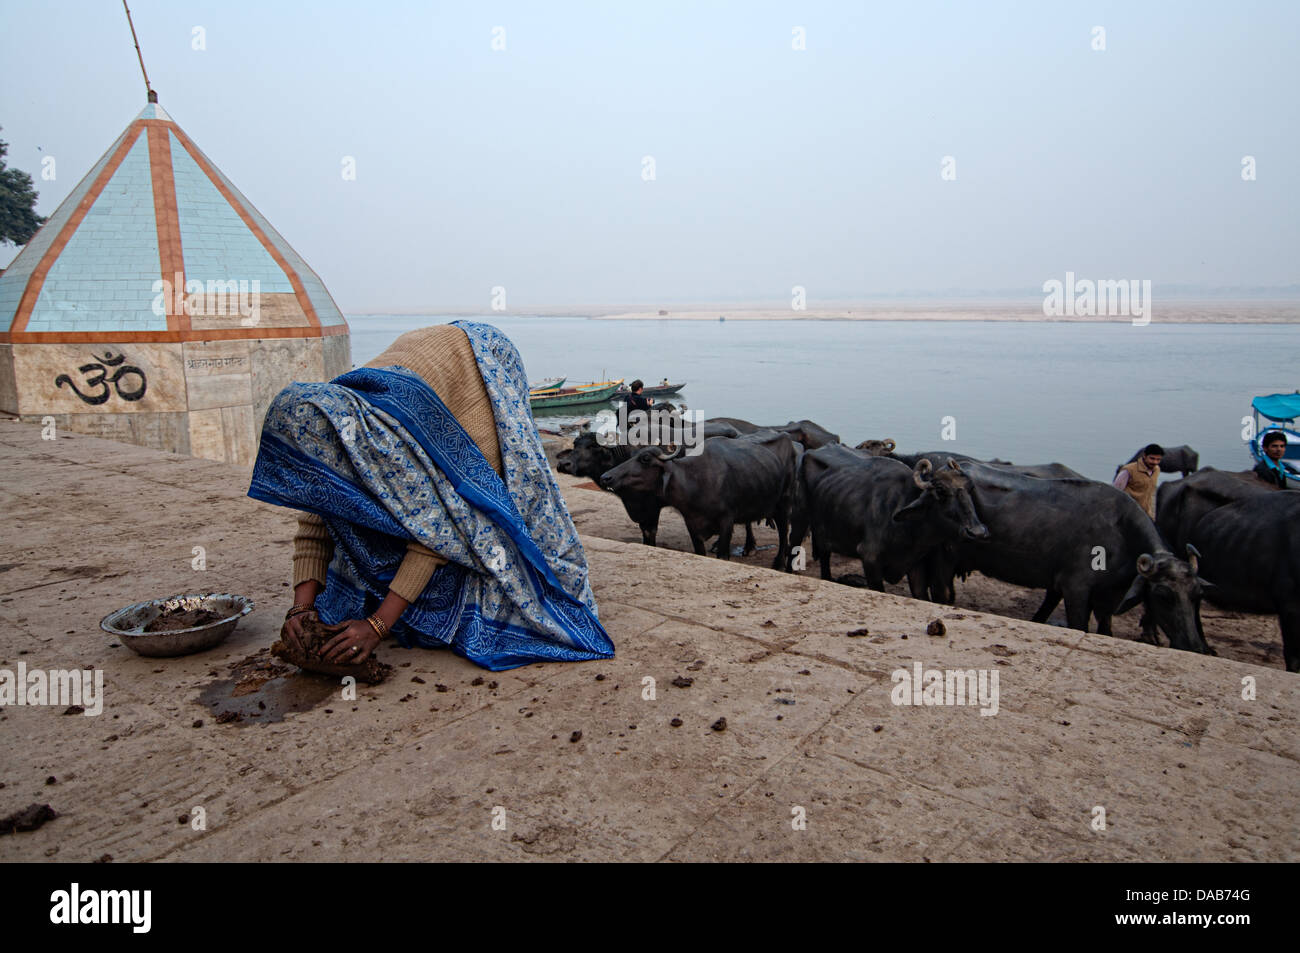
pixel 155 209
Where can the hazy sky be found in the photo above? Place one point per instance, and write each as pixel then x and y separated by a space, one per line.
pixel 774 167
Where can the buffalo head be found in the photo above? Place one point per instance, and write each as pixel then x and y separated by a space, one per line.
pixel 646 471
pixel 878 448
pixel 588 457
pixel 1171 593
pixel 945 498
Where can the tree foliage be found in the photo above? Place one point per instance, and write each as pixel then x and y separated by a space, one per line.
pixel 18 218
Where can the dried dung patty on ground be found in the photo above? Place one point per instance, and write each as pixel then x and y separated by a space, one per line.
pixel 28 819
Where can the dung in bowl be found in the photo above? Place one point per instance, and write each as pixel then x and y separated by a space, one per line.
pixel 177 625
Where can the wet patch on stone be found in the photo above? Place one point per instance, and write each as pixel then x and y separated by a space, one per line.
pixel 263 689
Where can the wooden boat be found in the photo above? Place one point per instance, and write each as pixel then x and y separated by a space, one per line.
pixel 1279 412
pixel 595 393
pixel 659 390
pixel 546 383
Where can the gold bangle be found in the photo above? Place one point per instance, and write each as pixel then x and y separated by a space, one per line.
pixel 376 623
pixel 299 610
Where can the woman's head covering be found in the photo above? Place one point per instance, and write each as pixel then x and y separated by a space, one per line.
pixel 381 458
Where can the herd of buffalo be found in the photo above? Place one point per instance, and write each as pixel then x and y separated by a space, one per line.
pixel 1225 536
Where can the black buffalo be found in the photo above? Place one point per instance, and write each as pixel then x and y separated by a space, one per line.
pixel 722 427
pixel 888 515
pixel 937 458
pixel 810 434
pixel 1250 551
pixel 592 456
pixel 1180 504
pixel 878 448
pixel 731 481
pixel 1044 471
pixel 740 426
pixel 1083 541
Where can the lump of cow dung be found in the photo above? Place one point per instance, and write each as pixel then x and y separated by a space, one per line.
pixel 28 819
pixel 371 671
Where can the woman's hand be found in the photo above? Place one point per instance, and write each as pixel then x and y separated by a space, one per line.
pixel 292 633
pixel 304 594
pixel 352 643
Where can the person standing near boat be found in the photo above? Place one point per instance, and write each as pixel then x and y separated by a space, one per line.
pixel 1270 469
pixel 637 400
pixel 1139 478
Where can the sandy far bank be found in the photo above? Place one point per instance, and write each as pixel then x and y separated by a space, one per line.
pixel 1173 313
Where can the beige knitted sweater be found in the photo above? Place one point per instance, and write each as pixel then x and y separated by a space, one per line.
pixel 443 357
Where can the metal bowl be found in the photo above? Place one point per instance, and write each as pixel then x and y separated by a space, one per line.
pixel 128 624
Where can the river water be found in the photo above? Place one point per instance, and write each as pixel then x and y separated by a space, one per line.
pixel 1087 395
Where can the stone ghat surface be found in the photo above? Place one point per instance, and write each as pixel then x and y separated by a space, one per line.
pixel 420 767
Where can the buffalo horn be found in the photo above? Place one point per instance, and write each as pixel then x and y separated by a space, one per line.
pixel 920 472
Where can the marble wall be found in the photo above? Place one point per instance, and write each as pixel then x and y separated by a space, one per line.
pixel 8 383
pixel 203 398
pixel 98 378
pixel 161 431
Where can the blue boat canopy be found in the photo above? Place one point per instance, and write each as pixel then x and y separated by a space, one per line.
pixel 1278 406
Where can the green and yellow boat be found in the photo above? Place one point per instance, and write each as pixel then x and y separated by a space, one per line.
pixel 598 392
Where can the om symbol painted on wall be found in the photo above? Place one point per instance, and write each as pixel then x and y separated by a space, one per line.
pixel 97 376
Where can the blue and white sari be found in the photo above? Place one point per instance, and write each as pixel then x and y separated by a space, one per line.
pixel 381 459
